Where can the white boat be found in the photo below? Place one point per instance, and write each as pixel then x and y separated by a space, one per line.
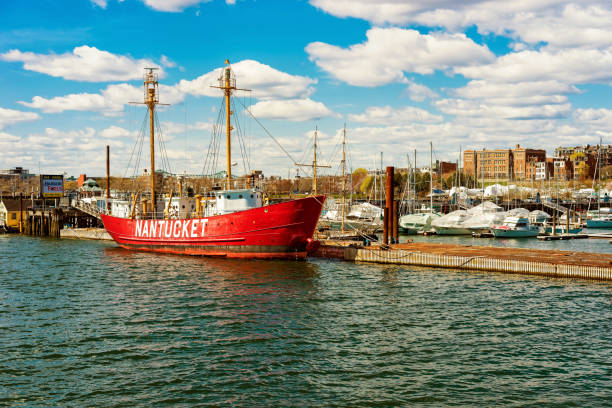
pixel 515 227
pixel 418 222
pixel 452 223
pixel 365 212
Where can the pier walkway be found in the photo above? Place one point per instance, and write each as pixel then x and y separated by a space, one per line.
pixel 566 264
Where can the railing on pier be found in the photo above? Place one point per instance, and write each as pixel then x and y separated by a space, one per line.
pixel 87 208
pixel 555 206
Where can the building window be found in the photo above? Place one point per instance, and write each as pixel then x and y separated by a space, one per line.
pixel 13 216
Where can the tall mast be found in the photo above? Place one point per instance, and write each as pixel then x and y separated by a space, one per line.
pixel 227 82
pixel 151 99
pixel 343 175
pixel 414 185
pixel 314 163
pixel 430 177
pixel 599 177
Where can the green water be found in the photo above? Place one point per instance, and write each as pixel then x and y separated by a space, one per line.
pixel 84 323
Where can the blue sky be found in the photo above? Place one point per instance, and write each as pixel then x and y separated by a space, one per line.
pixel 400 73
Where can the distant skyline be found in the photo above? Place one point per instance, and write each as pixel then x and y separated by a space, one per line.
pixel 400 73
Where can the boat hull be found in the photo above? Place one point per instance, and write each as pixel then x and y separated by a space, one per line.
pixel 275 231
pixel 595 223
pixel 504 233
pixel 452 230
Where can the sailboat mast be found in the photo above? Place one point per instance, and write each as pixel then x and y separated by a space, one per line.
pixel 599 178
pixel 430 177
pixel 343 174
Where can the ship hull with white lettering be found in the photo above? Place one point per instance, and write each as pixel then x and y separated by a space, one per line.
pixel 282 230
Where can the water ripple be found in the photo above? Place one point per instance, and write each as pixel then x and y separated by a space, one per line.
pixel 88 324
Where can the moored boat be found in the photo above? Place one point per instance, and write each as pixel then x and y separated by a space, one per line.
pixel 515 227
pixel 227 223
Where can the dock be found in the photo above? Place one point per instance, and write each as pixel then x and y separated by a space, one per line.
pixel 552 263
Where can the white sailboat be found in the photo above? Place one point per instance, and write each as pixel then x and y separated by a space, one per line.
pixel 599 219
pixel 419 222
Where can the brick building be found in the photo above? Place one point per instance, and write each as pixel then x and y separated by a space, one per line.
pixel 517 163
pixel 584 159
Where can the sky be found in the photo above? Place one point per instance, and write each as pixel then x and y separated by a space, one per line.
pixel 398 74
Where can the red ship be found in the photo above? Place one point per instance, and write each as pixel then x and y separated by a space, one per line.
pixel 228 223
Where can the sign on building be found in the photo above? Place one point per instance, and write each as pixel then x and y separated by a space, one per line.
pixel 52 185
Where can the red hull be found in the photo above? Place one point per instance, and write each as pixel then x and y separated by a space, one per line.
pixel 282 230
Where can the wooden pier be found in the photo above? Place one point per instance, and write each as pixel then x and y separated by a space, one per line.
pixel 563 264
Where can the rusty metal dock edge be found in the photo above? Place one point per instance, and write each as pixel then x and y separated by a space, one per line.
pixel 480 263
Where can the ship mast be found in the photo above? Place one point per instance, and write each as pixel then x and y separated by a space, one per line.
pixel 343 174
pixel 151 99
pixel 227 82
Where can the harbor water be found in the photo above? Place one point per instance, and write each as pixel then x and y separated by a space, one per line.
pixel 85 323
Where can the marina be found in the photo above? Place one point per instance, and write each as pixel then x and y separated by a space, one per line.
pixel 389 203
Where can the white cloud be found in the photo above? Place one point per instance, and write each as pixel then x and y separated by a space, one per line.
pixel 560 23
pixel 567 66
pixel 100 3
pixel 386 115
pixel 110 101
pixel 264 81
pixel 419 92
pixel 6 138
pixel 297 110
pixel 83 64
pixel 174 128
pixel 594 118
pixel 114 132
pixel 166 62
pixel 172 5
pixel 462 107
pixel 389 52
pixel 11 116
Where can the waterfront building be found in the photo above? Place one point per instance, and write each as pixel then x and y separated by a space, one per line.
pixel 517 163
pixel 9 212
pixel 543 170
pixel 16 172
pixel 584 159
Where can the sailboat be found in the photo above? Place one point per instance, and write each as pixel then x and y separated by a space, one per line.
pixel 599 219
pixel 419 222
pixel 232 223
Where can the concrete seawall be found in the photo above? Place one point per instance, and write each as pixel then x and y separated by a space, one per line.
pixel 85 233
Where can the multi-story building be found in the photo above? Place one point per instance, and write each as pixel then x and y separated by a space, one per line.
pixel 542 169
pixel 517 163
pixel 563 168
pixel 523 162
pixel 585 159
pixel 16 172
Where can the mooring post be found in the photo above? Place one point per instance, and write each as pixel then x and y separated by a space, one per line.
pixel 385 226
pixel 21 213
pixel 389 204
pixel 395 217
pixel 108 204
